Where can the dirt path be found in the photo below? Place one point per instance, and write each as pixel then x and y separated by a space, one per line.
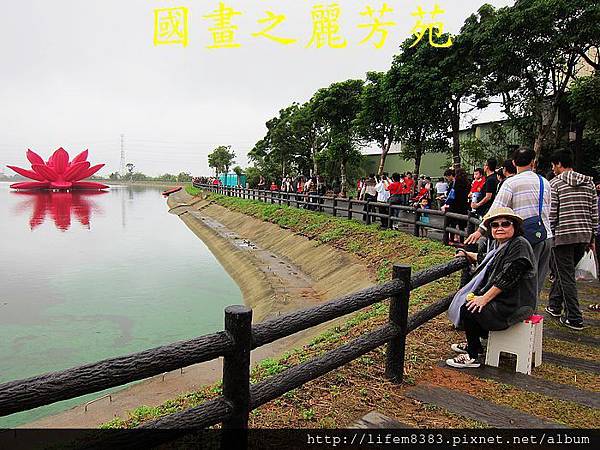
pixel 277 272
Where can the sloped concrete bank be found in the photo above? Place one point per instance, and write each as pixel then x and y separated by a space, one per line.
pixel 294 273
pixel 277 271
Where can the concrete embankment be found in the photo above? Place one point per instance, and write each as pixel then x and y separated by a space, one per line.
pixel 277 271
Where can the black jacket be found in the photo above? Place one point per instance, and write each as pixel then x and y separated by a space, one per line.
pixel 518 302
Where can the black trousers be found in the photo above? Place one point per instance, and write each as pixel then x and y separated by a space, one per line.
pixel 563 293
pixel 474 332
pixel 369 198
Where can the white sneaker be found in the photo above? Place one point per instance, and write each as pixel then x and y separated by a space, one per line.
pixel 463 361
pixel 459 348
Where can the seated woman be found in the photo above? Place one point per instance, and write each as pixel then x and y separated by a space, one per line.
pixel 502 291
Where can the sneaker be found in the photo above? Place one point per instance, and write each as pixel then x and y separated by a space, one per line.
pixel 574 325
pixel 553 312
pixel 459 348
pixel 462 361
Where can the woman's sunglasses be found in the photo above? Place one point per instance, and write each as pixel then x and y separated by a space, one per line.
pixel 503 224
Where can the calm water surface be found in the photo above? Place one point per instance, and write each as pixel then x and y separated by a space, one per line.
pixel 90 276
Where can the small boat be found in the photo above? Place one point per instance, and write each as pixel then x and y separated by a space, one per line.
pixel 171 191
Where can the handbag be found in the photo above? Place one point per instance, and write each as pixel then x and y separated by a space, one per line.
pixel 586 268
pixel 533 227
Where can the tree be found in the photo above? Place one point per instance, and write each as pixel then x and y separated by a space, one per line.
pixel 584 101
pixel 167 177
pixel 130 167
pixel 252 176
pixel 138 176
pixel 184 177
pixel 221 159
pixel 114 176
pixel 374 122
pixel 528 54
pixel 239 172
pixel 419 97
pixel 337 106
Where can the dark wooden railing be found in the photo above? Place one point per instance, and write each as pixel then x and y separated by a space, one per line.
pixel 235 344
pixel 343 207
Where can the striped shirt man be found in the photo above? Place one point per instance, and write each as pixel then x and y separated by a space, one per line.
pixel 574 212
pixel 522 193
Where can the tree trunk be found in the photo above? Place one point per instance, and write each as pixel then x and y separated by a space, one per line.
pixel 313 154
pixel 385 148
pixel 544 128
pixel 578 147
pixel 418 156
pixel 455 124
pixel 343 178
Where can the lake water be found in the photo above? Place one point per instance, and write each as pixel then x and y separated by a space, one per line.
pixel 85 277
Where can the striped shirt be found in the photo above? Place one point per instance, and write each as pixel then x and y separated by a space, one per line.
pixel 521 192
pixel 574 213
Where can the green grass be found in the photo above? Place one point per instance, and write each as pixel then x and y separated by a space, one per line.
pixel 379 249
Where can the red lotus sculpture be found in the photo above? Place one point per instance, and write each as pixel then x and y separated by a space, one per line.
pixel 58 172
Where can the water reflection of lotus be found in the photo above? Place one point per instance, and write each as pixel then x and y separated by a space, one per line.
pixel 59 206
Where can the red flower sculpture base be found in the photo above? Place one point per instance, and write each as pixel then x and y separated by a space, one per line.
pixel 58 172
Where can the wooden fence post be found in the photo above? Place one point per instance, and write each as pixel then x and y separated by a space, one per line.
pixel 446 235
pixel 236 372
pixel 368 216
pixel 390 223
pixel 394 365
pixel 349 208
pixel 334 206
pixel 470 225
pixel 417 218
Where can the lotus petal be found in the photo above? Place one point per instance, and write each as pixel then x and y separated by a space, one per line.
pixel 61 184
pixel 74 171
pixel 27 173
pixel 91 171
pixel 46 171
pixel 34 158
pixel 81 157
pixel 88 185
pixel 30 185
pixel 60 159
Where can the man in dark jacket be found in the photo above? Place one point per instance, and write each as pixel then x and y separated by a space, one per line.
pixel 574 221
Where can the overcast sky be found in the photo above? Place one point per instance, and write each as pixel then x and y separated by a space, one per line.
pixel 79 73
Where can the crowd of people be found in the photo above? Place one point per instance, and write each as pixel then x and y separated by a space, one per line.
pixel 533 226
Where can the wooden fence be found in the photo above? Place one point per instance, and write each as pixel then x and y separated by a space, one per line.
pixel 343 207
pixel 235 344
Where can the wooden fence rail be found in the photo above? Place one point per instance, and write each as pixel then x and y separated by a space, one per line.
pixel 344 207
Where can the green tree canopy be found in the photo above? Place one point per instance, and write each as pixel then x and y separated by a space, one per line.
pixel 221 158
pixel 420 94
pixel 374 121
pixel 337 106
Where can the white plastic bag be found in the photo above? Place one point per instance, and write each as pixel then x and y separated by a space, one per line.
pixel 586 268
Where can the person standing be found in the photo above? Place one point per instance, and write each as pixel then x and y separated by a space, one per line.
pixel 409 181
pixel 522 194
pixel 441 190
pixel 382 197
pixel 475 193
pixel 573 220
pixel 488 192
pixel 458 201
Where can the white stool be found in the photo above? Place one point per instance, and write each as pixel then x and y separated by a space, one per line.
pixel 522 339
